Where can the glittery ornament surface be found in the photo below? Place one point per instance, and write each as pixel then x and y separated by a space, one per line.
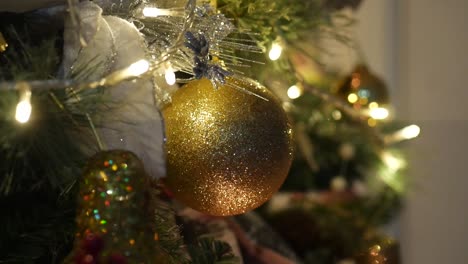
pixel 3 43
pixel 113 219
pixel 227 151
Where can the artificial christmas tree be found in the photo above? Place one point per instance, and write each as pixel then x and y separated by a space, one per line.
pixel 157 98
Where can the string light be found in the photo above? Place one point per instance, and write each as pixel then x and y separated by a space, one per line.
pixel 23 108
pixel 169 75
pixel 409 132
pixel 378 113
pixel 294 92
pixel 352 98
pixel 390 172
pixel 394 163
pixel 275 51
pixel 373 105
pixel 406 133
pixel 23 111
pixel 138 68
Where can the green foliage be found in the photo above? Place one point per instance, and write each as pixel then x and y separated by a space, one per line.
pixel 209 251
pixel 170 241
pixel 327 135
pixel 39 62
pixel 267 20
pixel 326 233
pixel 40 160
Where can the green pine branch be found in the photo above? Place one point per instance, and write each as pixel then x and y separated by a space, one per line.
pixel 210 251
pixel 41 159
pixel 290 20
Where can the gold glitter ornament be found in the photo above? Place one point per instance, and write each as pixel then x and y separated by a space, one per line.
pixel 3 43
pixel 114 213
pixel 228 151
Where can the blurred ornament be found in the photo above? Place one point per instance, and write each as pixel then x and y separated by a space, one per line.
pixel 359 188
pixel 347 151
pixel 365 92
pixel 227 151
pixel 305 65
pixel 338 184
pixel 113 216
pixel 3 43
pixel 386 251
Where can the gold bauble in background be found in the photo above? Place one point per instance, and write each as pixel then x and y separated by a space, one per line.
pixel 227 151
pixel 366 92
pixel 363 89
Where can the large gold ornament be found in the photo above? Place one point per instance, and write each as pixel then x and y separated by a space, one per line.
pixel 227 151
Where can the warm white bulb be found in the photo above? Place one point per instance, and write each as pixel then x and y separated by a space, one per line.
pixel 23 111
pixel 405 133
pixel 275 51
pixel 373 105
pixel 410 132
pixel 352 98
pixel 155 12
pixel 378 113
pixel 392 162
pixel 170 76
pixel 139 67
pixel 294 92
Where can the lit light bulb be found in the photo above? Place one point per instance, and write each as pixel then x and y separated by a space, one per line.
pixel 378 113
pixel 390 172
pixel 405 133
pixel 392 162
pixel 410 132
pixel 24 108
pixel 275 51
pixel 352 98
pixel 138 68
pixel 23 111
pixel 373 105
pixel 170 76
pixel 155 12
pixel 294 92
